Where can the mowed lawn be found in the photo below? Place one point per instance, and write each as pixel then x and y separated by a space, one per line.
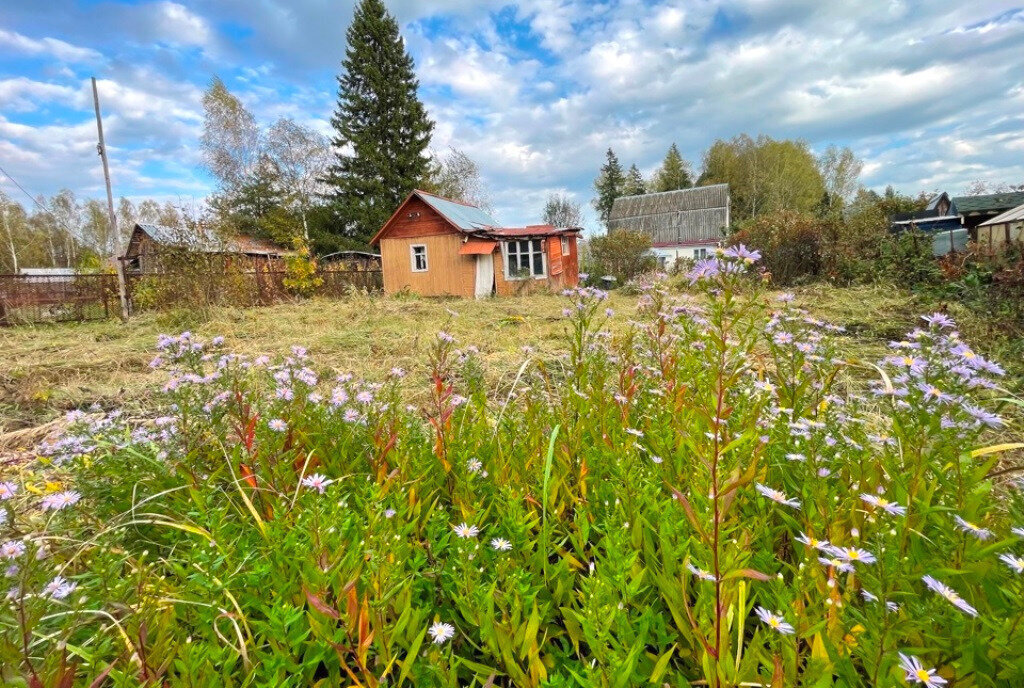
pixel 49 369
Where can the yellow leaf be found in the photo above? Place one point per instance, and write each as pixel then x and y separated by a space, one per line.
pixel 996 448
pixel 33 489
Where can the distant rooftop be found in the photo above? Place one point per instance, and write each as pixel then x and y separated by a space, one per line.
pixel 988 203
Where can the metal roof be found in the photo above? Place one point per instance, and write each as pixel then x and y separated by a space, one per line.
pixel 1011 215
pixel 465 217
pixel 207 242
pixel 988 203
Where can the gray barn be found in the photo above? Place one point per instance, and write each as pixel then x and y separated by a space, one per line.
pixel 687 223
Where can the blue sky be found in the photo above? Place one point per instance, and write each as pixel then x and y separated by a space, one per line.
pixel 930 93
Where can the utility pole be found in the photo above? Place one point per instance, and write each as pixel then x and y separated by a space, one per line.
pixel 101 148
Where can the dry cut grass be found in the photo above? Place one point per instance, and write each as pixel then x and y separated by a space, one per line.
pixel 46 370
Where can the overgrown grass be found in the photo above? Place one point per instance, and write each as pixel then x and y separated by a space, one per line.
pixel 640 505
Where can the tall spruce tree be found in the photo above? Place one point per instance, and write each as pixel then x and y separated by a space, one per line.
pixel 674 172
pixel 634 184
pixel 382 130
pixel 609 185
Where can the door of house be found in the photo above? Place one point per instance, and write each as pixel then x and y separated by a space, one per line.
pixel 484 275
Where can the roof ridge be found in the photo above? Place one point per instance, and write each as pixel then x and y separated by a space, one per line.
pixel 689 188
pixel 445 198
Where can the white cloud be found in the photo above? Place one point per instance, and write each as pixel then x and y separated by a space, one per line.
pixel 46 47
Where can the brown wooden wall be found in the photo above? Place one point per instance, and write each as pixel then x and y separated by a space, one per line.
pixel 448 273
pixel 451 274
pixel 568 276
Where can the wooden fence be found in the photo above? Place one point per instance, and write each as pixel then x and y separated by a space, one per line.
pixel 28 299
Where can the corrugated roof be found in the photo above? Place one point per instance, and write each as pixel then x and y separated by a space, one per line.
pixel 1011 215
pixel 209 243
pixel 675 217
pixel 466 217
pixel 988 203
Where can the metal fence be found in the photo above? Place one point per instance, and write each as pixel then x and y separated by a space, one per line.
pixel 57 298
pixel 28 299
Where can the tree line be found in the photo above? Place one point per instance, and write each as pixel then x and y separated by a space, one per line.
pixel 64 231
pixel 764 175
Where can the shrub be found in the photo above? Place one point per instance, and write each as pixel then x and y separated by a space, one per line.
pixel 700 500
pixel 790 242
pixel 301 276
pixel 621 254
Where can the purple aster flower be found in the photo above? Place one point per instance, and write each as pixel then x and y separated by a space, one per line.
pixel 939 320
pixel 60 500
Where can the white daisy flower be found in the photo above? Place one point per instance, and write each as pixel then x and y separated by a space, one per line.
pixel 440 632
pixel 777 496
pixel 950 594
pixel 1014 562
pixel 916 673
pixel 700 573
pixel 975 530
pixel 884 504
pixel 465 531
pixel 501 544
pixel 317 482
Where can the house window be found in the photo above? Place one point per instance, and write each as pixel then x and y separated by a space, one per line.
pixel 419 257
pixel 700 253
pixel 565 246
pixel 525 259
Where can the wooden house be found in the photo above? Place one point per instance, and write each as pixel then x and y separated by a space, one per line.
pixel 154 248
pixel 994 235
pixel 685 223
pixel 974 210
pixel 439 247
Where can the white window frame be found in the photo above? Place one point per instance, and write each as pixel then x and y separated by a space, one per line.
pixel 565 246
pixel 533 250
pixel 412 258
pixel 700 253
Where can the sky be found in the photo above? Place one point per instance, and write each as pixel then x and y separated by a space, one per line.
pixel 929 93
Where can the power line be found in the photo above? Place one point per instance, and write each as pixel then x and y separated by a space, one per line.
pixel 34 200
pixel 15 181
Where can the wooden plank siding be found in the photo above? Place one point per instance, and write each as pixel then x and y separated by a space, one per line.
pixel 450 274
pixel 447 274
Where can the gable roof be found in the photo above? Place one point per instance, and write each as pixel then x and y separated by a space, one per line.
pixel 206 242
pixel 670 217
pixel 1011 215
pixel 988 203
pixel 463 215
pixel 933 204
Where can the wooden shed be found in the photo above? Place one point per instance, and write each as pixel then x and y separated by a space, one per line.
pixel 156 248
pixel 685 223
pixel 439 247
pixel 995 234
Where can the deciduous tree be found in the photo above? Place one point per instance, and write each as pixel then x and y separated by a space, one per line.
pixel 562 211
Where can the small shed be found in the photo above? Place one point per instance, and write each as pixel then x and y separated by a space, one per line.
pixel 685 223
pixel 440 247
pixel 995 234
pixel 152 246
